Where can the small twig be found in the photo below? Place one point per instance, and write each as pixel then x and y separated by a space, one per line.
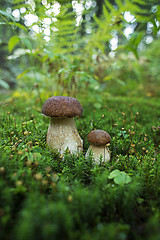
pixel 130 110
pixel 153 149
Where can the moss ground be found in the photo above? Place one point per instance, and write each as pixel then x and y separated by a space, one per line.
pixel 44 195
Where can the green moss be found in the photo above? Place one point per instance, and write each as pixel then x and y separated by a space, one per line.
pixel 47 196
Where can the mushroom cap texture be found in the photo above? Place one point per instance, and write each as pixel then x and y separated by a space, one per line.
pixel 61 106
pixel 99 137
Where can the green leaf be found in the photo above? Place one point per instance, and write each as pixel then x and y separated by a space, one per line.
pixel 97 105
pixel 61 70
pixel 109 5
pixel 17 1
pixel 23 73
pixel 34 156
pixel 37 150
pixel 27 43
pixel 108 78
pixel 7 15
pixel 121 82
pixel 3 84
pixel 19 25
pixel 119 4
pixel 122 178
pixel 14 24
pixel 18 5
pixel 13 41
pixel 114 174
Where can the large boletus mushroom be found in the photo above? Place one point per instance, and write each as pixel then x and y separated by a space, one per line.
pixel 62 132
pixel 98 140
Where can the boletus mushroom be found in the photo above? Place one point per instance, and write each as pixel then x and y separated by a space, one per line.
pixel 98 140
pixel 62 132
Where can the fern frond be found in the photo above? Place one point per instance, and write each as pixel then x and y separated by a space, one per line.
pixel 66 38
pixel 119 3
pixel 108 5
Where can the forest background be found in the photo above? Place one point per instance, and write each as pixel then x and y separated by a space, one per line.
pixel 85 49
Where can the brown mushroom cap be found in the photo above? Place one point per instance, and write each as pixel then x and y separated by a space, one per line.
pixel 60 106
pixel 99 137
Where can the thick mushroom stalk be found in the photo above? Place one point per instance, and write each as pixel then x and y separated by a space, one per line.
pixel 99 153
pixel 62 134
pixel 99 140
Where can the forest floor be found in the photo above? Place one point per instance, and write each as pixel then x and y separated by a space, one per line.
pixel 45 195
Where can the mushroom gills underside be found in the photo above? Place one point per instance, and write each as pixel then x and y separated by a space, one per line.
pixel 62 134
pixel 99 153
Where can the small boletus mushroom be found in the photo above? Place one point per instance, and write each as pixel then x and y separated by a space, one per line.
pixel 98 140
pixel 62 132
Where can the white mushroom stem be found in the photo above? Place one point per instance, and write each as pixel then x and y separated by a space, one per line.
pixel 62 134
pixel 99 153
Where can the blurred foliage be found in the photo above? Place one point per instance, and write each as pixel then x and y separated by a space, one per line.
pixel 56 55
